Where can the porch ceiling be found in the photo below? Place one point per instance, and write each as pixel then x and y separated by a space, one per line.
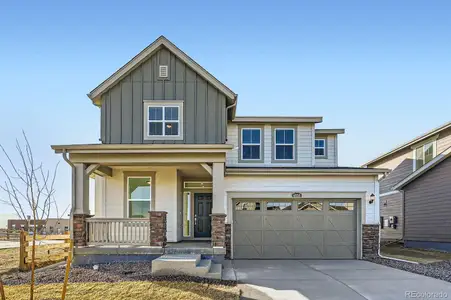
pixel 187 171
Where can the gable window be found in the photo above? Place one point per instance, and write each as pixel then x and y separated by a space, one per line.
pixel 164 120
pixel 284 144
pixel 250 143
pixel 423 155
pixel 139 196
pixel 320 147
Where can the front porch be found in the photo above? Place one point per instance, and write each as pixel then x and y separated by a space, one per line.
pixel 148 199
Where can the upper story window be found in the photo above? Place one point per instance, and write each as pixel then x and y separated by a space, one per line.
pixel 163 120
pixel 320 147
pixel 423 155
pixel 284 144
pixel 251 143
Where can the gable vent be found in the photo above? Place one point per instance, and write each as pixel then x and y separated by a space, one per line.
pixel 163 72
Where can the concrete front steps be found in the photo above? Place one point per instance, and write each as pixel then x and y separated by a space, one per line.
pixel 186 264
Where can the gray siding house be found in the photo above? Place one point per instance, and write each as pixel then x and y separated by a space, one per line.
pixel 413 195
pixel 177 170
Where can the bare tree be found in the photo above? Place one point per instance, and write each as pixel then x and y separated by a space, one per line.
pixel 29 189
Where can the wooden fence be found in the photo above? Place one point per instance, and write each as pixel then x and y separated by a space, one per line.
pixel 9 235
pixel 44 252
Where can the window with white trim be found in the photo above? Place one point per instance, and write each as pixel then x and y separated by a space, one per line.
pixel 250 143
pixel 139 196
pixel 320 147
pixel 163 119
pixel 423 155
pixel 284 144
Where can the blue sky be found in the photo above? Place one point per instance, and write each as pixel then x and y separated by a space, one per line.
pixel 379 69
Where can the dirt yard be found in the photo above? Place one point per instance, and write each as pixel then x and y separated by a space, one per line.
pixel 128 290
pixel 417 255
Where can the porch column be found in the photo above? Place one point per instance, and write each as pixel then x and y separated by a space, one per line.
pixel 158 228
pixel 218 189
pixel 218 216
pixel 80 204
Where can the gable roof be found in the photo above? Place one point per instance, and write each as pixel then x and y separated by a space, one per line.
pixel 410 143
pixel 436 161
pixel 162 41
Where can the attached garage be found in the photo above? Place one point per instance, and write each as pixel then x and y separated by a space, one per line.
pixel 294 229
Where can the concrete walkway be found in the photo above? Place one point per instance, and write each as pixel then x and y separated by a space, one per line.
pixel 331 279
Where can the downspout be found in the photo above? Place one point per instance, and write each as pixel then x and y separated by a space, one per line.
pixel 73 191
pixel 227 111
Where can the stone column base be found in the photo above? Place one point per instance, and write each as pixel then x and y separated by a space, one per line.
pixel 370 240
pixel 218 231
pixel 79 229
pixel 228 240
pixel 158 228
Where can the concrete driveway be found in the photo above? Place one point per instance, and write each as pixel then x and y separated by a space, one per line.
pixel 331 279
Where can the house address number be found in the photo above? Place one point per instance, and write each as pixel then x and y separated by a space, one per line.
pixel 296 195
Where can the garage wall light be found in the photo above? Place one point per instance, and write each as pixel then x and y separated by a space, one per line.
pixel 372 198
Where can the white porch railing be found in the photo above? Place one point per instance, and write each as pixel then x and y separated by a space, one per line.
pixel 104 231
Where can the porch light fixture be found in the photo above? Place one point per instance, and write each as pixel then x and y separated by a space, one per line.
pixel 372 198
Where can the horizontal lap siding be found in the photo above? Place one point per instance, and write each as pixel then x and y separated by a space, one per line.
pixel 444 141
pixel 331 159
pixel 303 147
pixel 393 208
pixel 428 205
pixel 204 106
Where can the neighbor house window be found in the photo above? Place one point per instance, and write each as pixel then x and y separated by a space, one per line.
pixel 423 155
pixel 139 196
pixel 284 144
pixel 320 147
pixel 250 143
pixel 164 119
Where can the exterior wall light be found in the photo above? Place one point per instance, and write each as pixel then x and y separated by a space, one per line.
pixel 372 198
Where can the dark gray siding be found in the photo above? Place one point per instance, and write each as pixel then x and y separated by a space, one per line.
pixel 403 170
pixel 204 106
pixel 428 205
pixel 391 205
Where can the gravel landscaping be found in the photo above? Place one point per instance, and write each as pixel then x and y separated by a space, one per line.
pixel 114 272
pixel 440 270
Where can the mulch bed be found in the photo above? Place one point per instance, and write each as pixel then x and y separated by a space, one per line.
pixel 439 270
pixel 113 272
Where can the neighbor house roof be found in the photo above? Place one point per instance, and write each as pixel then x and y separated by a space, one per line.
pixel 162 41
pixel 436 161
pixel 273 119
pixel 410 143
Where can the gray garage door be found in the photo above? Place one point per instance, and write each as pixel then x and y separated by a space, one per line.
pixel 287 229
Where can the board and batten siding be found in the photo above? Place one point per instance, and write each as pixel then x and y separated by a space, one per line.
pixel 428 205
pixel 122 107
pixel 392 205
pixel 304 146
pixel 331 156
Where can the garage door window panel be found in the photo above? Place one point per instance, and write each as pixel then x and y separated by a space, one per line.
pixel 249 206
pixel 279 206
pixel 310 206
pixel 341 206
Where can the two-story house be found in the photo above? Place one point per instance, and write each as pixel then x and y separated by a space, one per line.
pixel 415 195
pixel 175 164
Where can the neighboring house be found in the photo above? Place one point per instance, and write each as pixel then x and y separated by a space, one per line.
pixel 49 226
pixel 417 191
pixel 249 187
